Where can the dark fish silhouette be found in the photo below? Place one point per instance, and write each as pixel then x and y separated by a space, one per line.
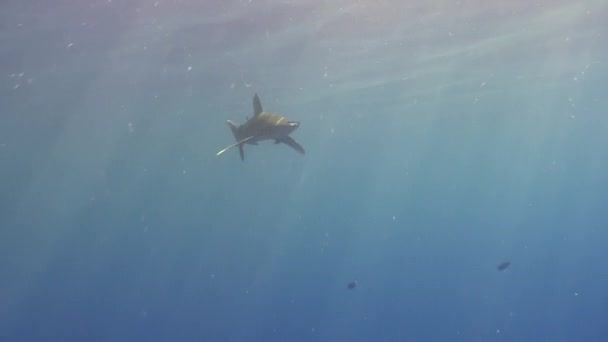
pixel 263 126
pixel 352 285
pixel 503 265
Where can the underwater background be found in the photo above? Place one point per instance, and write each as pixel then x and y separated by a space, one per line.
pixel 442 139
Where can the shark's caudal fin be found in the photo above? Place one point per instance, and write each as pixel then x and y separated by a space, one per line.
pixel 234 129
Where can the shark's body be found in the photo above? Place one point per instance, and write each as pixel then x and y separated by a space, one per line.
pixel 263 126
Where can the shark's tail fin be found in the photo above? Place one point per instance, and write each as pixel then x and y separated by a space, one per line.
pixel 234 129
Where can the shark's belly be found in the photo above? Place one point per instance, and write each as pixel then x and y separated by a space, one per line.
pixel 258 138
pixel 268 133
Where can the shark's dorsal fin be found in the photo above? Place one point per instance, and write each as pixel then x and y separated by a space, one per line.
pixel 234 145
pixel 257 105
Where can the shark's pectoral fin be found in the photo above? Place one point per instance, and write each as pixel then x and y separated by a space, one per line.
pixel 239 144
pixel 241 151
pixel 293 144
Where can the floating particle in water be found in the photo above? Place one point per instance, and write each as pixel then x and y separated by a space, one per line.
pixel 352 285
pixel 503 265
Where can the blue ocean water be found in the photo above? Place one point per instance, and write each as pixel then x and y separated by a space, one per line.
pixel 442 138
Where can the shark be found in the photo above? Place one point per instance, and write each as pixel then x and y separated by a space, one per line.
pixel 263 126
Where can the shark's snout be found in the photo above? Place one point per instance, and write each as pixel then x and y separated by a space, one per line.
pixel 285 128
pixel 292 126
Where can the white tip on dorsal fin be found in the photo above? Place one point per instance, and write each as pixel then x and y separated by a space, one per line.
pixel 257 105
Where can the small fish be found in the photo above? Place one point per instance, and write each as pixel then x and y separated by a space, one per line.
pixel 503 265
pixel 352 285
